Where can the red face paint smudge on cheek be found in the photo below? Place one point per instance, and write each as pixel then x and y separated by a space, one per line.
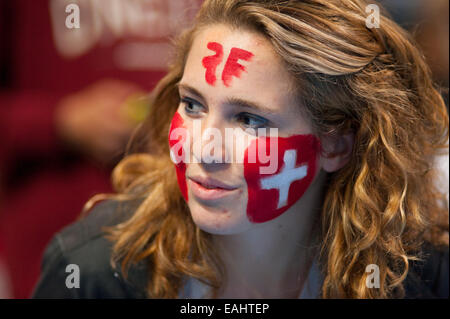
pixel 211 62
pixel 270 195
pixel 177 122
pixel 232 67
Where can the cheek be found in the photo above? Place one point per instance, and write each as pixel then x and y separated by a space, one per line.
pixel 278 171
pixel 178 135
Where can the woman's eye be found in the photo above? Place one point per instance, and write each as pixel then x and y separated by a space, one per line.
pixel 191 106
pixel 251 121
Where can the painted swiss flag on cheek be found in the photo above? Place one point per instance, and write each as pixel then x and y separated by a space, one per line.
pixel 270 195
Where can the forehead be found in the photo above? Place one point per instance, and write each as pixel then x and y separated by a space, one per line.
pixel 265 79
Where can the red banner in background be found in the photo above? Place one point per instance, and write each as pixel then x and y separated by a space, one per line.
pixel 138 29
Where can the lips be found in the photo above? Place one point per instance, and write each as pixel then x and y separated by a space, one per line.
pixel 211 183
pixel 207 188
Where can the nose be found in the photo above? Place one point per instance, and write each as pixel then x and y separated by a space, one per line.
pixel 209 147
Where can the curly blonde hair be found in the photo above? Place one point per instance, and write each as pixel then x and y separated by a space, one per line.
pixel 378 209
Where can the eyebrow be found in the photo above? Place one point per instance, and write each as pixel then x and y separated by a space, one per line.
pixel 230 101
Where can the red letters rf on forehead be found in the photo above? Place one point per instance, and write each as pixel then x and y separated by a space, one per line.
pixel 232 67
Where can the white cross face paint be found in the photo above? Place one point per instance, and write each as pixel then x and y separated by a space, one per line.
pixel 285 178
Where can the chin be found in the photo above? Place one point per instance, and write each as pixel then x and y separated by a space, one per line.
pixel 218 221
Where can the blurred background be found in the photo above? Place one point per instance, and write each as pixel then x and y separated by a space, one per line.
pixel 70 98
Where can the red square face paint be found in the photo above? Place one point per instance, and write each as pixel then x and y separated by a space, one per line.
pixel 180 166
pixel 232 66
pixel 270 195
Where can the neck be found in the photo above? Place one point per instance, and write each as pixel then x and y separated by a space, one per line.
pixel 273 260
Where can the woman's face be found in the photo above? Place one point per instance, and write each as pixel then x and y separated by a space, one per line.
pixel 233 81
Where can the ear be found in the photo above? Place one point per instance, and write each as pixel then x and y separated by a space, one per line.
pixel 336 151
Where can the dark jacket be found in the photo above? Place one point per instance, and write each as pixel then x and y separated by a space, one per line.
pixel 83 243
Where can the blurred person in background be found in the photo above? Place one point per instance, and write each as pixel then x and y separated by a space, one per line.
pixel 433 36
pixel 69 100
pixel 428 21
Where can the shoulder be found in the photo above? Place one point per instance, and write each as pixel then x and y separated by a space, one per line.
pixel 429 277
pixel 81 251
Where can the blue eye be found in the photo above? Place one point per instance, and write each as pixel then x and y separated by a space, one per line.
pixel 191 106
pixel 251 121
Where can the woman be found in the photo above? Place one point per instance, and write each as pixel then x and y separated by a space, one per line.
pixel 348 210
